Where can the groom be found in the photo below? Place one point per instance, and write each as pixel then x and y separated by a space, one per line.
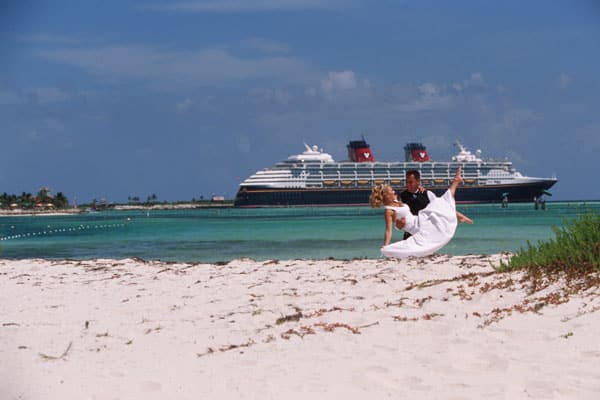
pixel 415 196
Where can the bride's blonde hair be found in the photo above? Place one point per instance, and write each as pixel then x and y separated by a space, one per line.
pixel 376 198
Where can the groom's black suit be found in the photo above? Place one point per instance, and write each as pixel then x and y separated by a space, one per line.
pixel 415 201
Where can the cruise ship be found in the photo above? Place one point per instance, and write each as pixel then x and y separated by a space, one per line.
pixel 314 178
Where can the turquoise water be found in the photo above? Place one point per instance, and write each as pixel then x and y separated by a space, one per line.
pixel 209 235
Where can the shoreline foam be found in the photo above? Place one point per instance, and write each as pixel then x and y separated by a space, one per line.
pixel 435 327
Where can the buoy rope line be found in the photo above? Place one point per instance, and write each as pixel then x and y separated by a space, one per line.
pixel 50 231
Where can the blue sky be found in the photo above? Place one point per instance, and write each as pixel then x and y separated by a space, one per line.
pixel 110 99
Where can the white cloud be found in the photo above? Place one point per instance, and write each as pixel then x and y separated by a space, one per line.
pixel 431 96
pixel 475 80
pixel 428 90
pixel 428 96
pixel 342 88
pixel 202 67
pixel 564 80
pixel 515 118
pixel 227 6
pixel 268 46
pixel 344 80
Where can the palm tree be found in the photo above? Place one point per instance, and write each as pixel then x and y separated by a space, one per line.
pixel 152 198
pixel 60 200
pixel 25 200
pixel 4 202
pixel 7 199
pixel 43 195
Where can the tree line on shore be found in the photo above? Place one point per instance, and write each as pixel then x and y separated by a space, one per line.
pixel 44 200
pixel 27 201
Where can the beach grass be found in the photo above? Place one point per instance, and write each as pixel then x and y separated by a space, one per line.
pixel 572 258
pixel 576 245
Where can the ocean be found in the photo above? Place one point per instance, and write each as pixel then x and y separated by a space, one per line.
pixel 215 235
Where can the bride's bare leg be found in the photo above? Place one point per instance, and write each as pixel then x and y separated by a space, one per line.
pixel 462 218
pixel 456 181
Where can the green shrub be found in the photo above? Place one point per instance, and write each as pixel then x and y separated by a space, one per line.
pixel 576 247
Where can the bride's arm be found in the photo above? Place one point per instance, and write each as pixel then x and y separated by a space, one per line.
pixel 389 216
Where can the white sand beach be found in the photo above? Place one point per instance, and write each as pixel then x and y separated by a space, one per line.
pixel 32 213
pixel 439 327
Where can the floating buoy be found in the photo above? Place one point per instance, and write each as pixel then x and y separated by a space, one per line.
pixel 50 231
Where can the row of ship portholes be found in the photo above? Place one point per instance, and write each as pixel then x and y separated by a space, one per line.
pixel 50 231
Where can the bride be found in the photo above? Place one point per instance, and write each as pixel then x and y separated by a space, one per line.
pixel 431 229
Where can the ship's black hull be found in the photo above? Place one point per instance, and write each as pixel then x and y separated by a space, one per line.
pixel 268 197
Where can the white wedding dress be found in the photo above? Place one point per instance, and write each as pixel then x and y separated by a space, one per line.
pixel 431 229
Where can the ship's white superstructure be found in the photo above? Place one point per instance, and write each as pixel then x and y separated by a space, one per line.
pixel 314 171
